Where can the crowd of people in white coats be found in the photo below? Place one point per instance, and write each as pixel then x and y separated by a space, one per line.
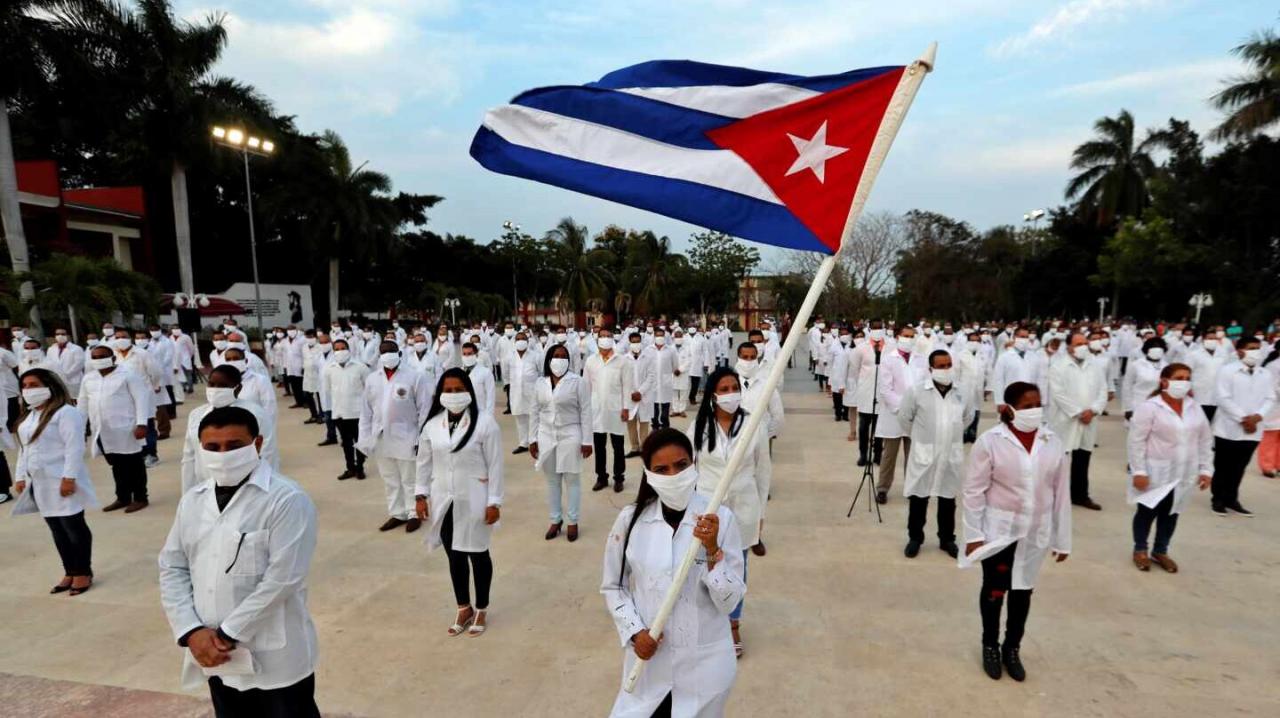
pixel 422 404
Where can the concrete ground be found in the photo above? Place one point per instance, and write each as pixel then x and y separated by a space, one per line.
pixel 837 621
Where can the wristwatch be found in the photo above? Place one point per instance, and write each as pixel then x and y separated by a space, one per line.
pixel 717 558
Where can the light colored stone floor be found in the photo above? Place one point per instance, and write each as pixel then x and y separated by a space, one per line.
pixel 837 621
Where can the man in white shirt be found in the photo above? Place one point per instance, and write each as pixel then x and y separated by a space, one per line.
pixel 521 370
pixel 666 364
pixel 1245 395
pixel 224 389
pixel 392 413
pixel 605 372
pixel 341 395
pixel 900 371
pixel 69 358
pixel 129 354
pixel 1017 363
pixel 481 377
pixel 639 383
pixel 117 401
pixel 233 577
pixel 1079 390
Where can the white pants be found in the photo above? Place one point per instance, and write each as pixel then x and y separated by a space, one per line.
pixel 522 430
pixel 398 478
pixel 680 401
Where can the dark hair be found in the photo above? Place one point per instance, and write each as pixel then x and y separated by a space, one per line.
pixel 1152 343
pixel 937 353
pixel 228 371
pixel 395 348
pixel 1016 391
pixel 704 425
pixel 472 347
pixel 1246 340
pixel 646 495
pixel 1167 372
pixel 58 398
pixel 229 416
pixel 473 411
pixel 746 345
pixel 551 352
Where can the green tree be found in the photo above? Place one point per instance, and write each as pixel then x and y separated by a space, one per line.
pixel 1114 169
pixel 582 268
pixel 652 267
pixel 1148 259
pixel 718 263
pixel 94 289
pixel 1252 101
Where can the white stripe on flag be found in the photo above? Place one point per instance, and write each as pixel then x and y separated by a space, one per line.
pixel 727 100
pixel 611 147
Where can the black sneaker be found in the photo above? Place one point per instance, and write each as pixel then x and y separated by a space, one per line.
pixel 328 442
pixel 631 455
pixel 520 450
pixel 912 550
pixel 951 548
pixel 600 485
pixel 348 474
pixel 1236 507
pixel 882 497
pixel 991 662
pixel 1219 509
pixel 617 485
pixel 1013 664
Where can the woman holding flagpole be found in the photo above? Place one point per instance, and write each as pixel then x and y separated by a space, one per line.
pixel 692 667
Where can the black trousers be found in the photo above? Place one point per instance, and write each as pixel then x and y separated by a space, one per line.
pixel 661 416
pixel 313 401
pixel 619 463
pixel 868 444
pixel 919 509
pixel 997 580
pixel 1080 475
pixel 349 431
pixel 14 410
pixel 130 474
pixel 1230 460
pixel 837 405
pixel 459 572
pixel 295 701
pixel 74 540
pixel 1209 411
pixel 1165 523
pixel 971 431
pixel 694 382
pixel 295 388
pixel 6 479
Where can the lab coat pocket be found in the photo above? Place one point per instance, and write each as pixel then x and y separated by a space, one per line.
pixel 997 524
pixel 248 553
pixel 271 636
pixel 922 454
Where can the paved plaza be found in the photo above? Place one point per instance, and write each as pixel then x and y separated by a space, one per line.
pixel 837 621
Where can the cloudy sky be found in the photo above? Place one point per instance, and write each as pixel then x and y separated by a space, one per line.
pixel 1018 83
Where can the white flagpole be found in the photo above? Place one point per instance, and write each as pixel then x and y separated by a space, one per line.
pixel 903 95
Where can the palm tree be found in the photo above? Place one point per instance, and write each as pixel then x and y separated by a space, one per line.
pixel 90 290
pixel 1113 170
pixel 583 276
pixel 162 66
pixel 652 266
pixel 1252 100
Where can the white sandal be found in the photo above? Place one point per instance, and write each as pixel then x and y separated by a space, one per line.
pixel 458 628
pixel 477 629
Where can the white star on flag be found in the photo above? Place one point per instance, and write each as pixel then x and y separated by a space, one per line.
pixel 814 153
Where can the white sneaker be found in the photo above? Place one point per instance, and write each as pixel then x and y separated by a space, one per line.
pixel 151 461
pixel 4 498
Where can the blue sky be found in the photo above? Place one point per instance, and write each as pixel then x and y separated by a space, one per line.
pixel 1017 87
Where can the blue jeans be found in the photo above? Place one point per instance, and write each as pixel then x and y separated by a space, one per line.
pixel 152 434
pixel 1165 524
pixel 554 481
pixel 737 610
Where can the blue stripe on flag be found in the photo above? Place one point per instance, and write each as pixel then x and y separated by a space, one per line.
pixel 642 116
pixel 687 73
pixel 699 204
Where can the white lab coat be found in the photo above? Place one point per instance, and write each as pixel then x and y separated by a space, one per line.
pixel 643 379
pixel 1204 374
pixel 521 372
pixel 8 380
pixel 1009 368
pixel 292 350
pixel 469 480
pixel 605 377
pixel 560 422
pixel 446 353
pixel 115 404
pixel 313 361
pixel 685 363
pixel 425 363
pixel 1242 392
pixel 1172 451
pixel 145 366
pixel 753 400
pixel 342 389
pixel 749 490
pixel 971 378
pixel 482 381
pixel 1011 495
pixel 860 380
pixel 270 452
pixel 695 662
pixel 936 426
pixel 161 351
pixel 244 569
pixel 56 455
pixel 392 413
pixel 1076 386
pixel 897 375
pixel 666 361
pixel 1140 379
pixel 70 361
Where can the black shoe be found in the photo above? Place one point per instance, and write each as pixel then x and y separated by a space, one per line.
pixel 1013 665
pixel 328 442
pixel 617 485
pixel 991 662
pixel 553 532
pixel 912 550
pixel 951 548
pixel 882 497
pixel 631 454
pixel 862 461
pixel 520 450
pixel 392 523
pixel 348 474
pixel 360 473
pixel 1236 507
pixel 1219 509
pixel 600 485
pixel 1088 504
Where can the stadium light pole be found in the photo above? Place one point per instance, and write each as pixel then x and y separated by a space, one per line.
pixel 512 234
pixel 247 144
pixel 1200 301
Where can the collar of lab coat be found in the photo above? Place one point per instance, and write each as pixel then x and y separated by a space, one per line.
pixel 697 505
pixel 1042 436
pixel 261 478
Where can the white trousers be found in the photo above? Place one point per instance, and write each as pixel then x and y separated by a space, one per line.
pixel 398 478
pixel 679 401
pixel 522 430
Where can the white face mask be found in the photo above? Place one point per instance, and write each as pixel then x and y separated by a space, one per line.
pixel 522 344
pixel 122 343
pixel 239 364
pixel 845 339
pixel 155 333
pixel 1211 344
pixel 1026 420
pixel 1021 344
pixel 906 344
pixel 1251 357
pixel 229 468
pixel 635 347
pixel 220 344
pixel 60 338
pixel 1095 345
pixel 100 364
pixel 1080 351
pixel 455 401
pixel 1155 353
pixel 729 402
pixel 311 341
pixel 876 335
pixel 390 360
pixel 679 341
pixel 36 397
pixel 943 377
pixel 1179 389
pixel 508 332
pixel 674 491
pixel 32 355
pixel 341 355
pixel 142 342
pixel 420 347
pixel 559 366
pixel 605 343
pixel 469 360
pixel 660 341
pixel 293 333
pixel 219 396
pixel 747 368
pixel 562 338
pixel 973 347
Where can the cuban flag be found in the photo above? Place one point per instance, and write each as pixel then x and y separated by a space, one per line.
pixel 765 156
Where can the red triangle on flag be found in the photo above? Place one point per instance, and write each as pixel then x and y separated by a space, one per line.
pixel 811 153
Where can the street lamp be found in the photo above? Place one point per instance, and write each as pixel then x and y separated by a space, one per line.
pixel 1034 217
pixel 247 145
pixel 452 303
pixel 1200 301
pixel 1102 306
pixel 512 234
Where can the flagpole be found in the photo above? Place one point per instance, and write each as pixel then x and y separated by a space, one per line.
pixel 903 95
